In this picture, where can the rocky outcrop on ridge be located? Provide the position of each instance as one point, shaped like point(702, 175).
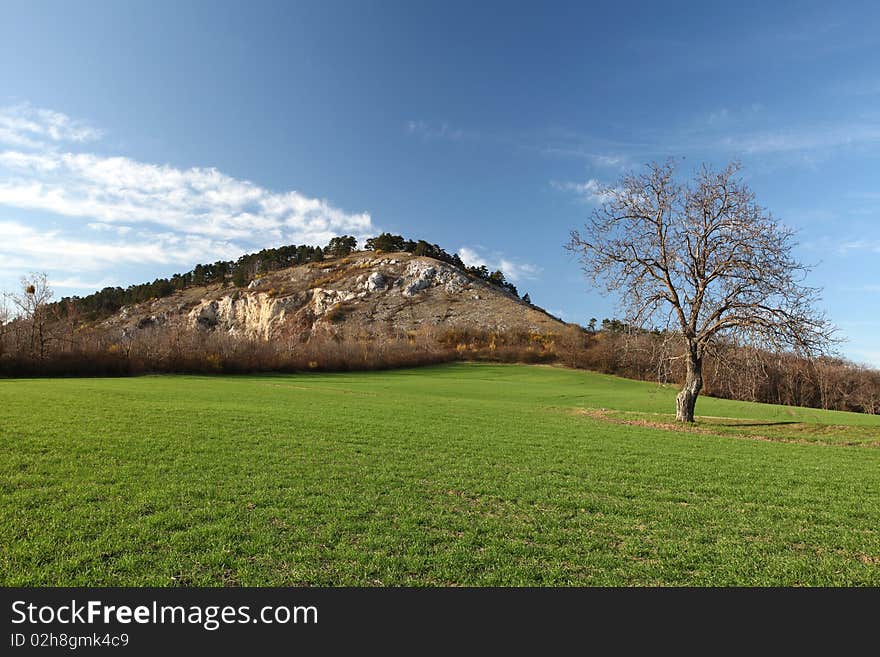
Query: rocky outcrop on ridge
point(364, 294)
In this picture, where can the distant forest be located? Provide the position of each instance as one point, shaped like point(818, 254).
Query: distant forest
point(240, 272)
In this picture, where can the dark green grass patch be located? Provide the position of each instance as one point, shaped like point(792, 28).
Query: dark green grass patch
point(462, 474)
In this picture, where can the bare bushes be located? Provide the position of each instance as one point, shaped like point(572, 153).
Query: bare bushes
point(730, 371)
point(499, 346)
point(190, 350)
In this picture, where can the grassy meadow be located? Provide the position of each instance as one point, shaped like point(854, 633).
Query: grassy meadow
point(466, 474)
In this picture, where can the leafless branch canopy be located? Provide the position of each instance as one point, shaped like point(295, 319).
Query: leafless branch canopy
point(706, 251)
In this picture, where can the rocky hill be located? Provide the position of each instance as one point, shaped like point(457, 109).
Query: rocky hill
point(365, 295)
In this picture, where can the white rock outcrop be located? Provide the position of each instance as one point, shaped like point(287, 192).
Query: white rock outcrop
point(323, 300)
point(417, 277)
point(252, 315)
point(456, 283)
point(420, 275)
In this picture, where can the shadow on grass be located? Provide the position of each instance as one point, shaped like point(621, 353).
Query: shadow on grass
point(829, 435)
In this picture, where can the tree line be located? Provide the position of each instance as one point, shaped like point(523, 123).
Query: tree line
point(731, 369)
point(109, 300)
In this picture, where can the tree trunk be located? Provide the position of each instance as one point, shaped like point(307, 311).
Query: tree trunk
point(687, 397)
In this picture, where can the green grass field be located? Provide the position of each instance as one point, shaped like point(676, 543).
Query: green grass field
point(467, 474)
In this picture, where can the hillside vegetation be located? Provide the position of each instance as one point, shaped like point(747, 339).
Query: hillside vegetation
point(251, 266)
point(399, 303)
point(465, 474)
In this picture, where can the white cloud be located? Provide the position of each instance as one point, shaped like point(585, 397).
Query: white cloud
point(719, 116)
point(600, 160)
point(428, 130)
point(201, 201)
point(24, 248)
point(74, 283)
point(726, 118)
point(858, 245)
point(805, 139)
point(514, 271)
point(614, 161)
point(23, 125)
point(153, 213)
point(842, 245)
point(591, 190)
point(109, 228)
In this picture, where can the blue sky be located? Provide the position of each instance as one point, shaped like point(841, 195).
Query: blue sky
point(139, 139)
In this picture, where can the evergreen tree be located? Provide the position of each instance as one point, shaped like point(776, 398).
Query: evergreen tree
point(341, 246)
point(386, 242)
point(239, 276)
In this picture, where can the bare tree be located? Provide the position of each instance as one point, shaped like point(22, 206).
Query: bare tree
point(705, 259)
point(867, 392)
point(33, 310)
point(5, 320)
